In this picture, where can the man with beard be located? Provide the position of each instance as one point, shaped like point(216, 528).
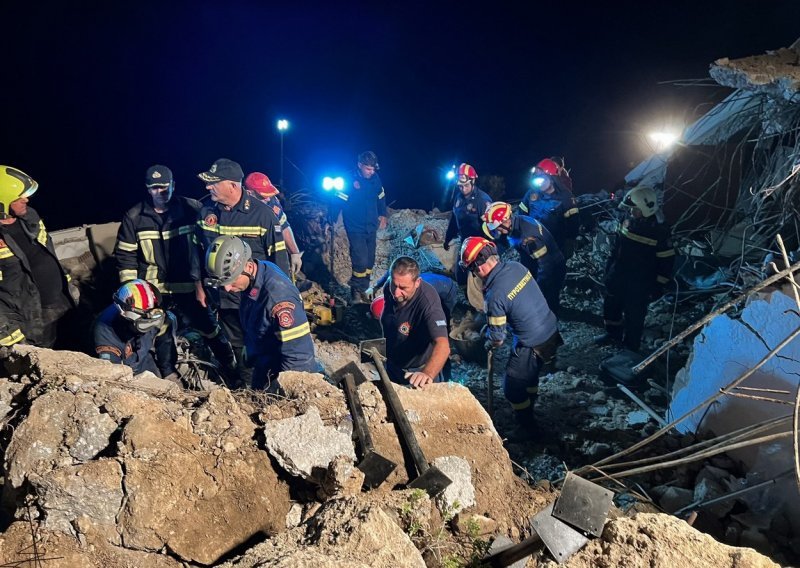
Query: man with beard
point(414, 325)
point(155, 242)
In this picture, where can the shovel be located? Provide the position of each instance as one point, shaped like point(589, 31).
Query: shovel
point(490, 381)
point(582, 504)
point(376, 468)
point(430, 478)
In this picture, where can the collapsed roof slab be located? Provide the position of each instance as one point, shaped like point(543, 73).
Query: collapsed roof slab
point(776, 73)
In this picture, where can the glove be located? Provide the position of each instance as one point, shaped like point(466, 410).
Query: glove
point(446, 245)
point(296, 261)
point(74, 292)
point(370, 293)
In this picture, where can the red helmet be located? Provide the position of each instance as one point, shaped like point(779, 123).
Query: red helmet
point(376, 307)
point(468, 171)
point(548, 166)
point(261, 184)
point(497, 212)
point(475, 250)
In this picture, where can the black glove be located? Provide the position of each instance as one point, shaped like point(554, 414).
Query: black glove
point(446, 245)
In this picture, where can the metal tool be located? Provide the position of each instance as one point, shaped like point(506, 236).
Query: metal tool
point(430, 478)
point(376, 467)
point(583, 504)
point(490, 381)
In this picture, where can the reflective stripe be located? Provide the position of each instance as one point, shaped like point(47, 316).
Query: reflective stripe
point(5, 252)
point(382, 194)
point(662, 279)
point(283, 219)
point(42, 236)
point(532, 390)
point(280, 245)
point(295, 332)
point(342, 196)
point(520, 285)
point(236, 231)
point(151, 273)
point(369, 271)
point(127, 274)
point(184, 230)
point(497, 320)
point(14, 337)
point(665, 253)
point(127, 247)
point(540, 253)
point(638, 238)
point(360, 274)
point(148, 252)
point(523, 207)
point(148, 235)
point(521, 405)
point(570, 212)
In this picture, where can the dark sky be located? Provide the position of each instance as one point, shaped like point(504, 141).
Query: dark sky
point(92, 96)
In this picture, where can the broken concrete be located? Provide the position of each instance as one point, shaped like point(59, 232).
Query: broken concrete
point(460, 494)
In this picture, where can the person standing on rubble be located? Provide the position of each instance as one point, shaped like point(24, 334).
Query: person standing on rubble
point(414, 325)
point(637, 271)
point(469, 205)
point(277, 335)
point(550, 202)
point(35, 292)
point(261, 186)
point(235, 212)
point(363, 207)
point(126, 331)
point(156, 243)
point(538, 251)
point(513, 299)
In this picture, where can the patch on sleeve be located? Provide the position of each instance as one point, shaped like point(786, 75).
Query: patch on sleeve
point(108, 350)
point(210, 220)
point(441, 323)
point(283, 312)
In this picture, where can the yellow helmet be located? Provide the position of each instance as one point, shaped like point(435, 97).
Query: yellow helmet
point(643, 198)
point(13, 185)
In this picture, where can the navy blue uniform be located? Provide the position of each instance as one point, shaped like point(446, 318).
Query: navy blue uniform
point(640, 264)
point(513, 299)
point(557, 211)
point(115, 340)
point(445, 287)
point(466, 221)
point(410, 330)
point(539, 253)
point(362, 201)
point(276, 332)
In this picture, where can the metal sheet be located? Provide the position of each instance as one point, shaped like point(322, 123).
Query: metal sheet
point(583, 504)
point(560, 539)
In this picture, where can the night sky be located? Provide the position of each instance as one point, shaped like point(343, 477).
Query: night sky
point(92, 97)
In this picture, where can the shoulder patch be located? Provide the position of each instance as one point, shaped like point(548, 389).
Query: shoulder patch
point(210, 220)
point(108, 350)
point(253, 293)
point(276, 210)
point(404, 328)
point(357, 184)
point(283, 312)
point(3, 244)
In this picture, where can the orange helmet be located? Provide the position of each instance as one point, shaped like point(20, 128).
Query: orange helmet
point(497, 212)
point(475, 251)
point(466, 173)
point(261, 184)
point(376, 307)
point(547, 166)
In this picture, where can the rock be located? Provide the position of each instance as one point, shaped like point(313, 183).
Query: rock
point(304, 446)
point(343, 479)
point(637, 417)
point(474, 525)
point(753, 538)
point(674, 498)
point(598, 449)
point(460, 494)
point(295, 516)
point(707, 489)
point(598, 397)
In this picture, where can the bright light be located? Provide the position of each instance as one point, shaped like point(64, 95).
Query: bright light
point(329, 183)
point(283, 124)
point(538, 181)
point(663, 140)
point(450, 174)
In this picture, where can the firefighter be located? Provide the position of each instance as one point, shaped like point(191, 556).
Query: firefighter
point(126, 331)
point(414, 325)
point(277, 336)
point(156, 242)
point(469, 205)
point(262, 187)
point(236, 212)
point(363, 207)
point(638, 269)
point(35, 292)
point(538, 251)
point(552, 203)
point(513, 299)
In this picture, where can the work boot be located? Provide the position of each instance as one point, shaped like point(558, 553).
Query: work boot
point(526, 429)
point(607, 338)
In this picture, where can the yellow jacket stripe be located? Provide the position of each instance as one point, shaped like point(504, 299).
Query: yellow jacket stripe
point(540, 253)
point(523, 207)
point(128, 274)
point(14, 337)
point(5, 252)
point(497, 320)
point(571, 212)
point(382, 194)
point(665, 253)
point(234, 230)
point(42, 236)
point(127, 247)
point(638, 238)
point(295, 332)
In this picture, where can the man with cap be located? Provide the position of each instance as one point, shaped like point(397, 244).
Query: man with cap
point(261, 186)
point(363, 206)
point(35, 292)
point(127, 330)
point(156, 242)
point(277, 336)
point(235, 212)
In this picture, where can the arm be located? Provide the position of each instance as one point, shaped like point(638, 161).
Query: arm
point(437, 329)
point(496, 328)
point(523, 205)
point(452, 231)
point(665, 258)
point(273, 243)
point(126, 250)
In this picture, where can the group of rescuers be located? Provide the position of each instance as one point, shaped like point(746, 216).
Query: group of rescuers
point(227, 268)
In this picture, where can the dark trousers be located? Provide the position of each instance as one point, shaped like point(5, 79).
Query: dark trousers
point(623, 314)
point(50, 318)
point(362, 256)
point(521, 381)
point(551, 284)
point(233, 329)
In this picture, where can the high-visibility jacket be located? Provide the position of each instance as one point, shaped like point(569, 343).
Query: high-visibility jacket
point(361, 201)
point(159, 248)
point(276, 331)
point(513, 299)
point(642, 256)
point(20, 302)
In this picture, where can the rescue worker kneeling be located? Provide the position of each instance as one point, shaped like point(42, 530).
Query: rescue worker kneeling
point(125, 332)
point(277, 336)
point(512, 298)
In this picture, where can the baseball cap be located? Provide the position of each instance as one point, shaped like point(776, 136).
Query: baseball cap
point(260, 183)
point(222, 169)
point(158, 176)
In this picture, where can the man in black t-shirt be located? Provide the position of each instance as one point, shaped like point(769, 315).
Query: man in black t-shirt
point(414, 326)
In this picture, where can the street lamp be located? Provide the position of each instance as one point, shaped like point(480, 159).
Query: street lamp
point(283, 125)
